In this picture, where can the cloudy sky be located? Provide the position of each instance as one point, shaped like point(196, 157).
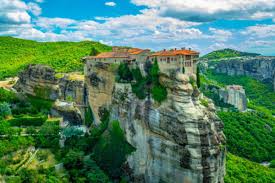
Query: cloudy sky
point(204, 25)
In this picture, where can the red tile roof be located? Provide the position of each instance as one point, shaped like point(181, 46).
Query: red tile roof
point(119, 54)
point(175, 52)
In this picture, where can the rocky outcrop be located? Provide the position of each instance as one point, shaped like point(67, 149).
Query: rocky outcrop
point(39, 81)
point(177, 141)
point(260, 68)
point(71, 114)
point(234, 95)
point(42, 81)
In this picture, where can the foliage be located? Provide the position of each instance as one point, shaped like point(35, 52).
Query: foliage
point(239, 170)
point(227, 53)
point(259, 94)
point(249, 135)
point(124, 73)
point(83, 169)
point(16, 54)
point(111, 150)
point(159, 93)
point(7, 96)
point(48, 135)
point(198, 77)
point(5, 110)
point(26, 120)
point(204, 102)
point(272, 164)
point(94, 52)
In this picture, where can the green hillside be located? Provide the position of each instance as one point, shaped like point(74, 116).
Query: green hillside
point(239, 170)
point(62, 56)
point(227, 53)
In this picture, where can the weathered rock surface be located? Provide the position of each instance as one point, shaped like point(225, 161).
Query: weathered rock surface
point(178, 141)
point(260, 68)
point(41, 81)
point(234, 95)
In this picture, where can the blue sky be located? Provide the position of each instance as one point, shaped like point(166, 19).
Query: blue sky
point(156, 24)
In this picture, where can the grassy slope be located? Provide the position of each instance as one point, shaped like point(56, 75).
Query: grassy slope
point(62, 56)
point(240, 170)
point(227, 53)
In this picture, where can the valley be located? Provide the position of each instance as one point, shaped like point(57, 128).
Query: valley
point(161, 125)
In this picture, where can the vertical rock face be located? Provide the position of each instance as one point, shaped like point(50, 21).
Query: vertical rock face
point(177, 141)
point(100, 81)
point(234, 95)
point(38, 80)
point(261, 68)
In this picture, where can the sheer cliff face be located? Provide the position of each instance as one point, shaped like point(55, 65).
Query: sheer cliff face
point(261, 68)
point(177, 141)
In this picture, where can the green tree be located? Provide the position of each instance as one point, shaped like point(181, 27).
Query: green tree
point(4, 110)
point(154, 72)
point(94, 52)
point(198, 77)
point(124, 72)
point(111, 151)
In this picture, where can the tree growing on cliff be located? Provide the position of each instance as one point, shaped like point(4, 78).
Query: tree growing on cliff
point(124, 73)
point(94, 52)
point(198, 77)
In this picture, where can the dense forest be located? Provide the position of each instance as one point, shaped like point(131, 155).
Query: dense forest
point(62, 56)
point(227, 53)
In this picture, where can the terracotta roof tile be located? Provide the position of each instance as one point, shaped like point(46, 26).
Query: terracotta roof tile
point(175, 52)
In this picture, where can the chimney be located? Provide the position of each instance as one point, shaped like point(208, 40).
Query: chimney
point(183, 48)
point(164, 49)
point(175, 49)
point(189, 49)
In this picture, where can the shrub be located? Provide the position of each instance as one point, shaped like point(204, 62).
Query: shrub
point(27, 120)
point(204, 102)
point(111, 151)
point(159, 93)
point(272, 164)
point(124, 73)
point(4, 110)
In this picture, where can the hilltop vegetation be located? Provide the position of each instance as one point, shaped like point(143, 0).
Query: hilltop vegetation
point(62, 56)
point(240, 170)
point(227, 53)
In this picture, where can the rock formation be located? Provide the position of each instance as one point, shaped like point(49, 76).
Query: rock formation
point(179, 140)
point(41, 81)
point(234, 95)
point(260, 68)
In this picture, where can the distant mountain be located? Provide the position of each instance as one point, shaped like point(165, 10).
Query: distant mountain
point(62, 56)
point(227, 53)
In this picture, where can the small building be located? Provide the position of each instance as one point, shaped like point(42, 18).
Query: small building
point(177, 60)
point(118, 55)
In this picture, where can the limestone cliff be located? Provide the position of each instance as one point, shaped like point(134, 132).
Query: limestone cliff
point(42, 81)
point(177, 141)
point(260, 68)
point(234, 95)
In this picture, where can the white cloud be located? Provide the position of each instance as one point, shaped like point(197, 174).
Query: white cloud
point(261, 31)
point(13, 12)
point(39, 1)
point(210, 10)
point(50, 23)
point(110, 4)
point(34, 8)
point(220, 35)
